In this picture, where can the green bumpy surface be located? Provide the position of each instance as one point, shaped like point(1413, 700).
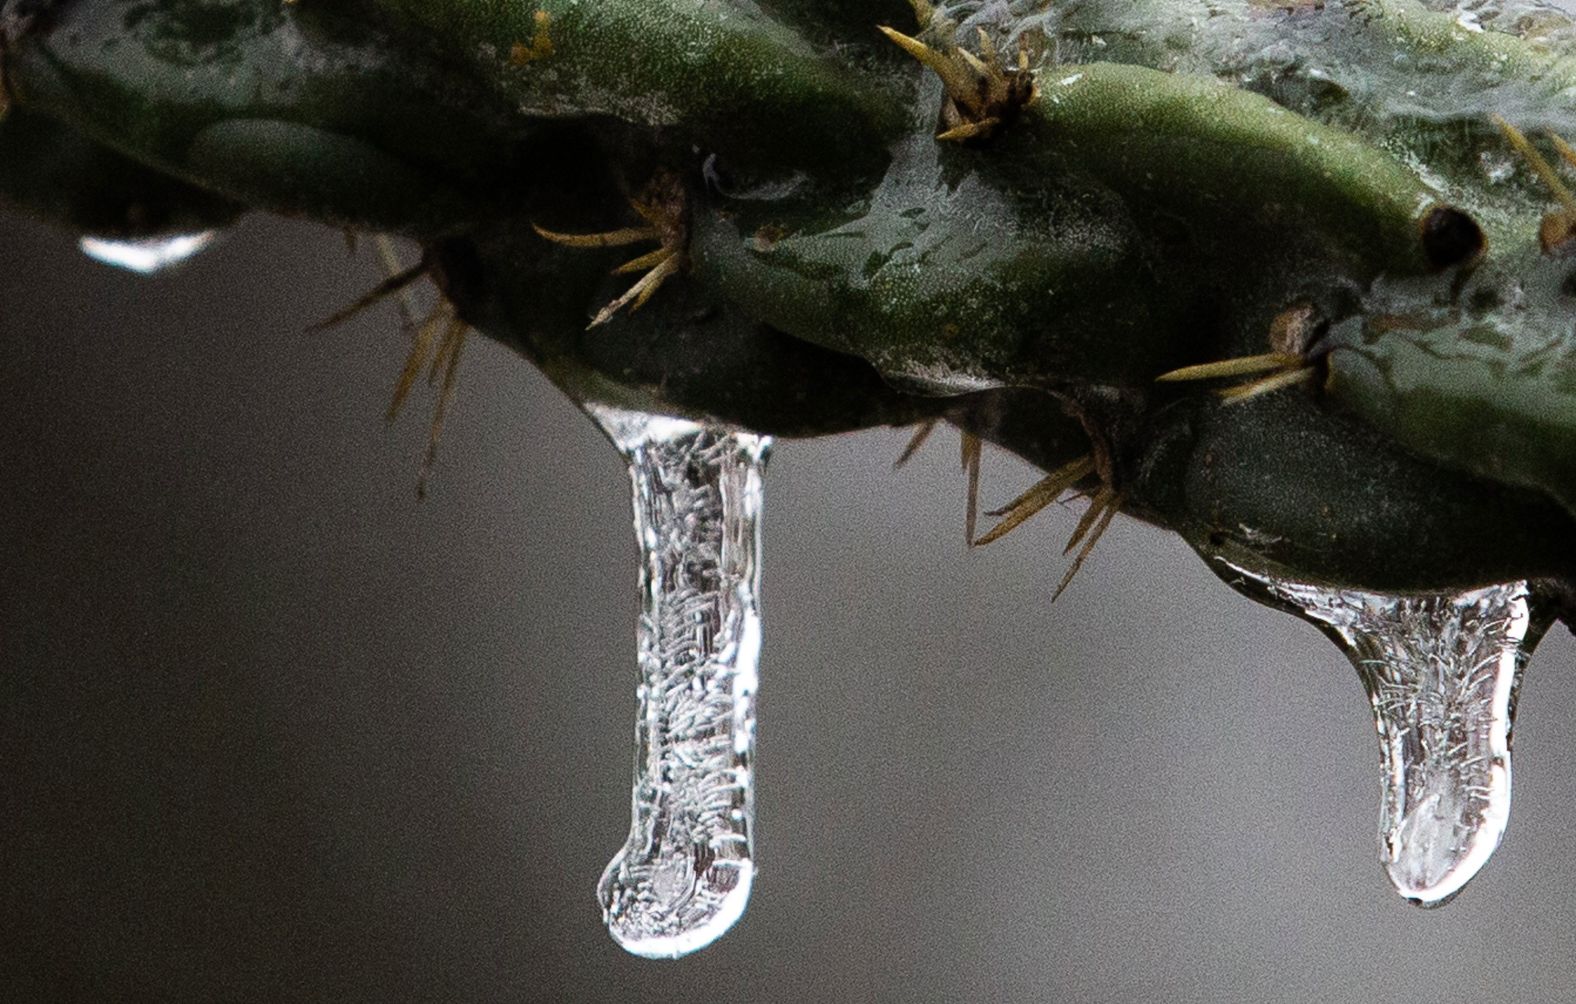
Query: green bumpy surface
point(1185, 177)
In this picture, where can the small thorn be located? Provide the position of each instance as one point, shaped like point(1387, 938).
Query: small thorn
point(969, 130)
point(958, 86)
point(662, 208)
point(654, 279)
point(1041, 494)
point(971, 448)
point(988, 48)
point(420, 349)
point(609, 239)
point(388, 287)
point(440, 358)
point(388, 254)
point(1267, 385)
point(919, 50)
point(455, 335)
point(1087, 520)
point(637, 295)
point(1544, 169)
point(645, 261)
point(1240, 366)
point(974, 62)
point(1108, 502)
point(1557, 232)
point(921, 434)
point(1566, 151)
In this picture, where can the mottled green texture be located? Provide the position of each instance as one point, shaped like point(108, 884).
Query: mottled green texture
point(1490, 388)
point(58, 175)
point(1232, 160)
point(1277, 484)
point(723, 73)
point(1188, 176)
point(292, 112)
point(689, 352)
point(947, 283)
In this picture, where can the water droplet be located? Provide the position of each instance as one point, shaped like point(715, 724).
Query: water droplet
point(149, 255)
point(1442, 673)
point(683, 877)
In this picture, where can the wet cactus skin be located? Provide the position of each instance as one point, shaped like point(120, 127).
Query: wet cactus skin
point(1178, 184)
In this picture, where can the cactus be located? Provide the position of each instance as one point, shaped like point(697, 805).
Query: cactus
point(1290, 279)
point(1119, 191)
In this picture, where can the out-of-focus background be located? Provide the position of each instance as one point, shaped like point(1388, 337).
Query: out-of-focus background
point(271, 729)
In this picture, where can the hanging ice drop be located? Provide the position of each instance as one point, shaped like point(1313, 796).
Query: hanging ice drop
point(684, 875)
point(1442, 673)
point(146, 256)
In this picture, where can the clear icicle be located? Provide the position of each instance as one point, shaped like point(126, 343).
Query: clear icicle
point(1442, 673)
point(683, 877)
point(147, 256)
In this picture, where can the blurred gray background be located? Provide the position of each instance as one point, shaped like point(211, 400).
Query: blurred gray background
point(270, 729)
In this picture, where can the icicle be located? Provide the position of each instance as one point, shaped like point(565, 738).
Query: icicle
point(684, 875)
point(1442, 673)
point(145, 257)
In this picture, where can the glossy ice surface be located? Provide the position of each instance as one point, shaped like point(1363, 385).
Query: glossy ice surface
point(1442, 673)
point(684, 875)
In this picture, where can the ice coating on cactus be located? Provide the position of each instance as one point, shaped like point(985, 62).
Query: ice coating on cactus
point(683, 877)
point(1442, 674)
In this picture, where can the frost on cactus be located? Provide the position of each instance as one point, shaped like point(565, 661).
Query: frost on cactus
point(1295, 280)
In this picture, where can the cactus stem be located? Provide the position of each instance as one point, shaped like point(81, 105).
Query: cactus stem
point(1045, 491)
point(921, 435)
point(1558, 230)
